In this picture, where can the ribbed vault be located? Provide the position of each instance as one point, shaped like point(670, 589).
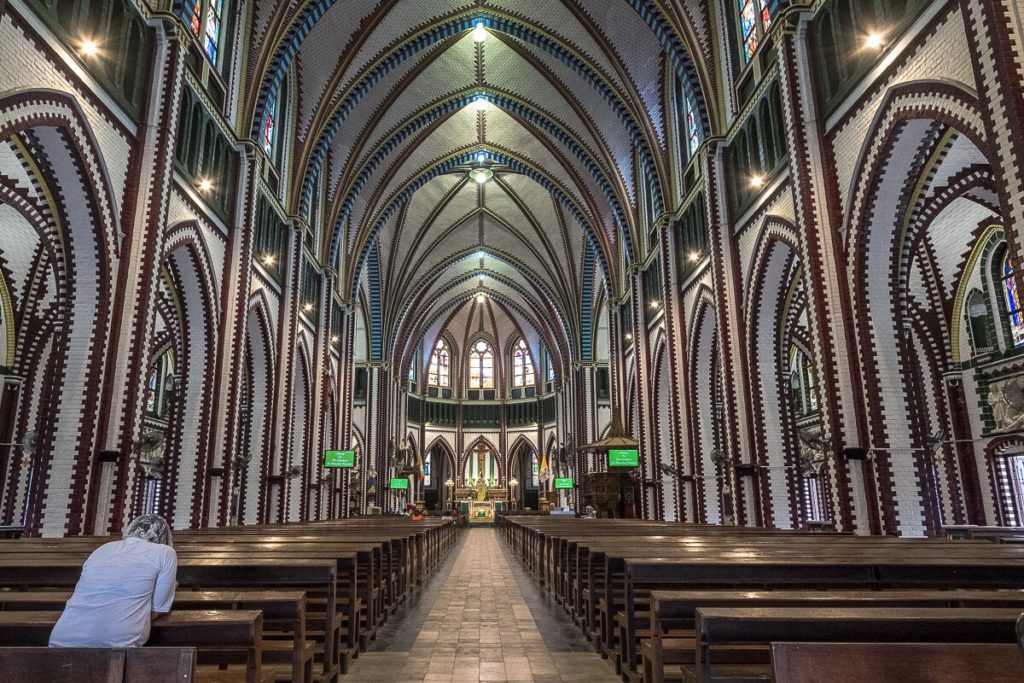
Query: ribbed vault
point(395, 101)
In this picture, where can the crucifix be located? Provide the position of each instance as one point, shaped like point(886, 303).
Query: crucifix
point(481, 484)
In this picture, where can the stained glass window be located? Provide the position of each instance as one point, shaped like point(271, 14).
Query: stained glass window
point(151, 392)
point(691, 130)
point(412, 372)
point(268, 128)
point(522, 366)
point(551, 369)
point(438, 374)
point(755, 20)
point(1013, 305)
point(191, 11)
point(426, 468)
point(481, 366)
point(213, 24)
point(534, 470)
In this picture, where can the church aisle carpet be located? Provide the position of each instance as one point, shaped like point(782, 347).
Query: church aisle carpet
point(480, 619)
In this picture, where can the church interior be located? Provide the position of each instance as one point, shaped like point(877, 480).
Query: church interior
point(516, 340)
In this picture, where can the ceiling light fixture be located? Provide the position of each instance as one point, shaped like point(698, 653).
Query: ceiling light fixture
point(480, 103)
point(757, 181)
point(874, 41)
point(481, 175)
point(89, 48)
point(481, 298)
point(480, 32)
point(481, 157)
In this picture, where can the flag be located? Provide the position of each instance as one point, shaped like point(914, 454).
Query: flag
point(419, 464)
point(544, 474)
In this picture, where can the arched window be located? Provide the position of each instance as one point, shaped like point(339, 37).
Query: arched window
point(481, 366)
point(427, 463)
point(214, 21)
point(534, 470)
point(440, 363)
point(691, 132)
point(1013, 305)
point(160, 386)
point(755, 20)
point(269, 124)
point(522, 366)
point(551, 369)
point(803, 383)
point(205, 20)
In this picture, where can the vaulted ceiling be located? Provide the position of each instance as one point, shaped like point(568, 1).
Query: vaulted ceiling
point(395, 101)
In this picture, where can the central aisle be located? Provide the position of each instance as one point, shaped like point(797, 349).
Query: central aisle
point(481, 618)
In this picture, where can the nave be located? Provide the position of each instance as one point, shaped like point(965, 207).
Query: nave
point(481, 619)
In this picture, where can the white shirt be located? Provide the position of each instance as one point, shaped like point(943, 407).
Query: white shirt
point(122, 582)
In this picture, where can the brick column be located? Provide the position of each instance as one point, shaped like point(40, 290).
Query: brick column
point(678, 355)
point(818, 219)
point(725, 271)
point(143, 219)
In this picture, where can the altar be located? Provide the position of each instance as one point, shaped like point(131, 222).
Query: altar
point(481, 512)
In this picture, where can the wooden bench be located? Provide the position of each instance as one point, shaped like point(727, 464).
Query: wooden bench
point(284, 613)
point(895, 663)
point(212, 633)
point(673, 614)
point(762, 626)
point(98, 665)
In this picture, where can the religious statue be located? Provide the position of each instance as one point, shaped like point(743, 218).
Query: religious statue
point(481, 490)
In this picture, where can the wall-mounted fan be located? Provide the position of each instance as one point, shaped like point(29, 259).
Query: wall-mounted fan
point(27, 446)
point(149, 451)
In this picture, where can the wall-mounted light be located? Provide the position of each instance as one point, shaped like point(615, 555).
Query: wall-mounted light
point(205, 185)
point(757, 181)
point(268, 260)
point(655, 303)
point(307, 307)
point(629, 336)
point(694, 256)
point(479, 32)
point(335, 339)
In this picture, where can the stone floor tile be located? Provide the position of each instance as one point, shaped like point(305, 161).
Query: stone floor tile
point(481, 618)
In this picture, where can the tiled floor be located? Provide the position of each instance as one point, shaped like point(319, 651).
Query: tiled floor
point(480, 618)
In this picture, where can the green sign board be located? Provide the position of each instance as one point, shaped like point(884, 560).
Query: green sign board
point(342, 460)
point(623, 457)
point(401, 483)
point(563, 483)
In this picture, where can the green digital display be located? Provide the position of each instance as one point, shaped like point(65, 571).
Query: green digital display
point(623, 457)
point(339, 460)
point(563, 483)
point(401, 483)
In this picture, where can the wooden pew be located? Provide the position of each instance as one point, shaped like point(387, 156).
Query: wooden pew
point(762, 626)
point(895, 662)
point(674, 612)
point(315, 578)
point(89, 665)
point(216, 632)
point(283, 613)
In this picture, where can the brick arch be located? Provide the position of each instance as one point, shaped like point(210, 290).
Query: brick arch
point(300, 434)
point(773, 278)
point(905, 141)
point(441, 445)
point(260, 353)
point(995, 450)
point(194, 309)
point(499, 457)
point(54, 133)
point(705, 436)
